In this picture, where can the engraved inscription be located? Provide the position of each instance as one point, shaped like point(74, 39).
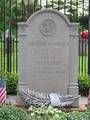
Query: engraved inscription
point(48, 27)
point(50, 60)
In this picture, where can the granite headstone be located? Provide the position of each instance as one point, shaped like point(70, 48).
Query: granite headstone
point(48, 53)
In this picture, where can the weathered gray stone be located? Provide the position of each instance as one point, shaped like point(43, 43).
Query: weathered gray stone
point(48, 52)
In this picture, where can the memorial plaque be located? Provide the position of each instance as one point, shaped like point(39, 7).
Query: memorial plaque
point(46, 53)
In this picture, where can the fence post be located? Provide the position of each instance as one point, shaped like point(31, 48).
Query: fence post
point(9, 48)
point(89, 41)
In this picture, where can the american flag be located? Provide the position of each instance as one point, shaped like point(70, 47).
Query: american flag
point(2, 90)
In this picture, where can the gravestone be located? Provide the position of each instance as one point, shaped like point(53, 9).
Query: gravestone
point(48, 52)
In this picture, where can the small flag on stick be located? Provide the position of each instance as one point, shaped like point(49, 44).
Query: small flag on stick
point(2, 90)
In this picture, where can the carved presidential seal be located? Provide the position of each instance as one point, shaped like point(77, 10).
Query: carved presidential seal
point(48, 27)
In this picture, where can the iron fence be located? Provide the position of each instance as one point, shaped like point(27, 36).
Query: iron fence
point(13, 11)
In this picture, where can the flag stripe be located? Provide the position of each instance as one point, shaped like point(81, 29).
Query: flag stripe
point(3, 100)
point(3, 96)
point(2, 90)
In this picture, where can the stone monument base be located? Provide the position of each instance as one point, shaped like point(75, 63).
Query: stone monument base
point(27, 97)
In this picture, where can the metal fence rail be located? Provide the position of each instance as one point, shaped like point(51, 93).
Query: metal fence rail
point(13, 11)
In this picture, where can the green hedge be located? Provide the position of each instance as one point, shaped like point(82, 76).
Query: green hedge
point(55, 114)
point(11, 82)
point(84, 84)
point(13, 113)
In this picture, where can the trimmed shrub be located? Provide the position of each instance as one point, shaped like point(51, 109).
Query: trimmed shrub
point(11, 82)
point(84, 84)
point(55, 114)
point(12, 113)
